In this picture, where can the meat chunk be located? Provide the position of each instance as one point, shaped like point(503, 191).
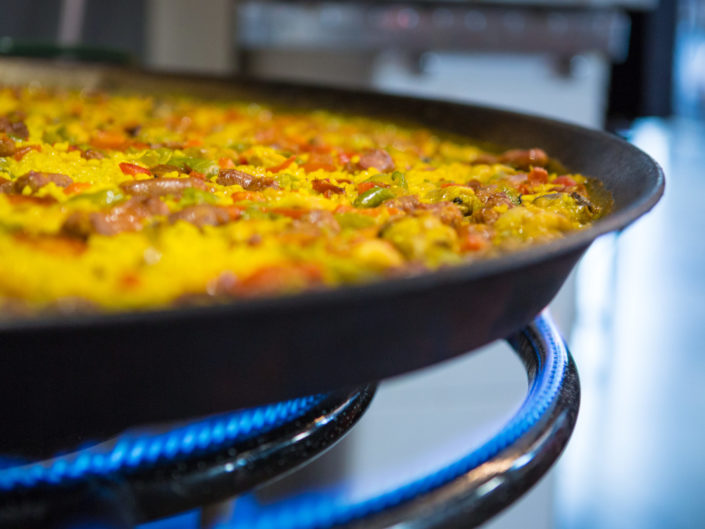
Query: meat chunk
point(133, 130)
point(312, 224)
point(162, 186)
point(162, 169)
point(6, 185)
point(519, 158)
point(488, 213)
point(83, 224)
point(323, 219)
point(407, 204)
point(141, 207)
point(448, 212)
point(326, 188)
point(36, 180)
point(377, 158)
point(202, 215)
point(128, 216)
point(92, 154)
point(231, 177)
point(14, 127)
point(524, 159)
point(7, 147)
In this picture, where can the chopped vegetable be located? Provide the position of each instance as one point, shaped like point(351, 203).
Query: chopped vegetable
point(373, 197)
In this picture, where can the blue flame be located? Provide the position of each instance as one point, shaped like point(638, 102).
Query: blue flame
point(131, 450)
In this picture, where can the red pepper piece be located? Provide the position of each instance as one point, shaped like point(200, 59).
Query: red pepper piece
point(133, 169)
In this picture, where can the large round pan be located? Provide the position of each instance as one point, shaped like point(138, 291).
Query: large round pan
point(70, 379)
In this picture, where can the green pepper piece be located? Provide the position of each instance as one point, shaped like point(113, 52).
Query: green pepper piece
point(206, 167)
point(192, 197)
point(354, 221)
point(373, 197)
point(106, 197)
point(200, 165)
point(399, 179)
point(154, 157)
point(254, 212)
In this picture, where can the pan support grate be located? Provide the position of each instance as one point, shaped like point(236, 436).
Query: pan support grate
point(150, 474)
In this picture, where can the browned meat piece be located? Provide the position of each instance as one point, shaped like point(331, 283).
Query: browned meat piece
point(141, 206)
point(519, 178)
point(161, 186)
point(486, 158)
point(378, 158)
point(524, 159)
point(326, 188)
point(447, 212)
point(91, 154)
point(202, 215)
point(519, 158)
point(128, 216)
point(407, 204)
point(133, 130)
point(483, 192)
point(6, 186)
point(20, 130)
point(7, 147)
point(474, 184)
point(162, 169)
point(322, 219)
point(83, 224)
point(313, 224)
point(487, 213)
point(231, 177)
point(14, 127)
point(36, 180)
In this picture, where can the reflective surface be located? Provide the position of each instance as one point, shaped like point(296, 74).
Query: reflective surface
point(636, 459)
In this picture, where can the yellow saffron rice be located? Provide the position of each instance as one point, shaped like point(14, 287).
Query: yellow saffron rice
point(120, 202)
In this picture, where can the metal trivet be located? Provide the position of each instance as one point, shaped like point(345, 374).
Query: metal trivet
point(133, 480)
point(471, 490)
point(143, 475)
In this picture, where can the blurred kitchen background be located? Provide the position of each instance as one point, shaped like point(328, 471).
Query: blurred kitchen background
point(632, 312)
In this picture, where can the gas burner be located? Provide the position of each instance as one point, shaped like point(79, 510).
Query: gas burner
point(151, 473)
point(145, 475)
point(476, 486)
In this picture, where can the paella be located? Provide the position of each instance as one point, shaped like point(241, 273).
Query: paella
point(124, 202)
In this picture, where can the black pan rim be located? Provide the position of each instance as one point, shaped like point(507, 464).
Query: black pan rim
point(379, 288)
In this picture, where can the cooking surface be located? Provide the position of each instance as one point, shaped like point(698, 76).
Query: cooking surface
point(323, 340)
